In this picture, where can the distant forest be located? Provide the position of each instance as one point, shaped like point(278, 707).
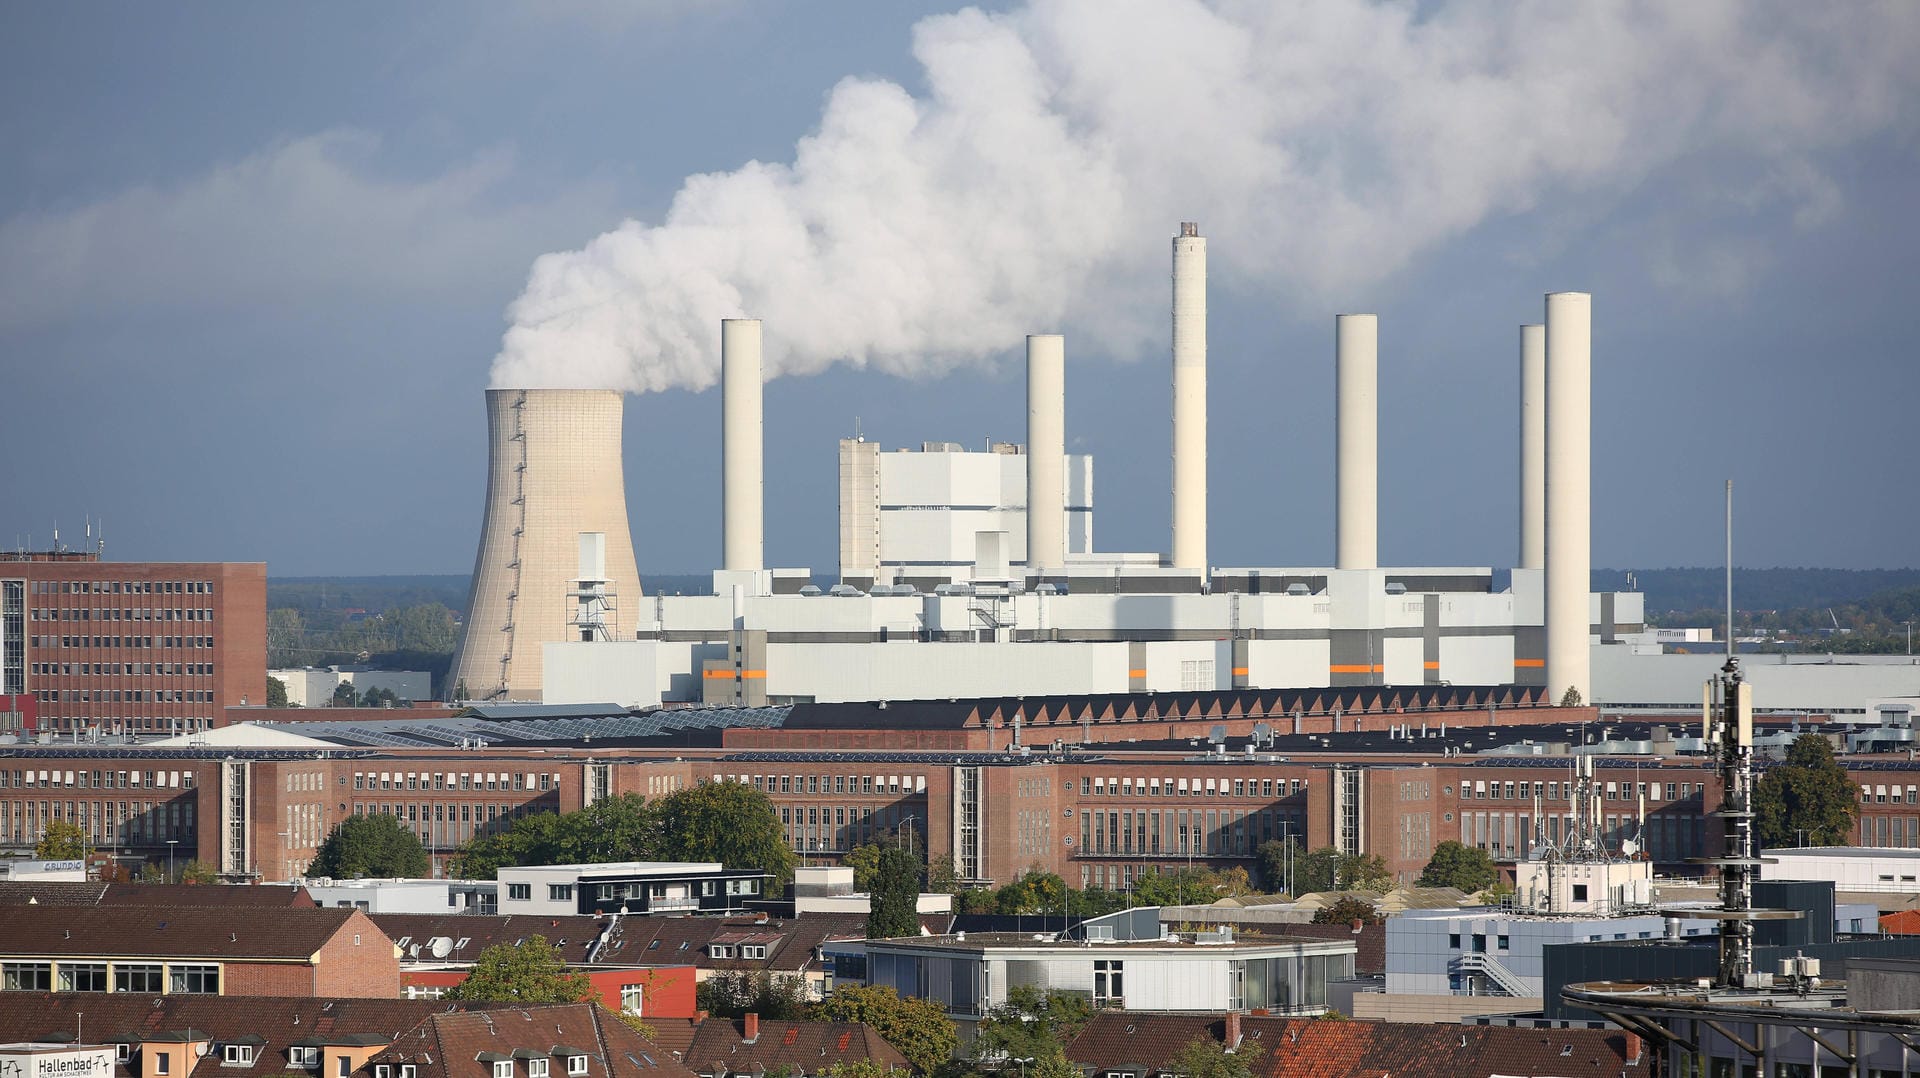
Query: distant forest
point(1684, 590)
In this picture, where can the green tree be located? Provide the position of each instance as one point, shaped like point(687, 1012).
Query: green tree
point(919, 1028)
point(1178, 887)
point(379, 697)
point(942, 877)
point(855, 1068)
point(1273, 856)
point(343, 695)
point(895, 896)
point(1364, 872)
point(1346, 910)
point(1316, 871)
point(1810, 792)
point(1204, 1057)
point(1032, 892)
point(531, 972)
point(152, 873)
point(1031, 1024)
point(276, 692)
point(622, 828)
point(728, 822)
point(864, 860)
point(1456, 865)
point(977, 900)
point(375, 845)
point(1570, 698)
point(731, 994)
point(1052, 1064)
point(197, 871)
point(63, 840)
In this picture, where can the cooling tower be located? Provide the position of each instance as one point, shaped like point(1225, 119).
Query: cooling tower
point(1046, 452)
point(1569, 523)
point(1356, 466)
point(553, 471)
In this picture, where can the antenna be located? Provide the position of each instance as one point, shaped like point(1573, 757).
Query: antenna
point(1729, 570)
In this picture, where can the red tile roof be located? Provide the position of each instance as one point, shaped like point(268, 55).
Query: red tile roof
point(173, 931)
point(65, 893)
point(451, 1045)
point(720, 1047)
point(1146, 1043)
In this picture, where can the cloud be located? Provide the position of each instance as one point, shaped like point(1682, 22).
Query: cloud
point(1326, 146)
point(307, 218)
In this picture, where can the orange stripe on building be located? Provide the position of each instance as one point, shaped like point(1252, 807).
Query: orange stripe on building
point(1239, 671)
point(732, 675)
point(1530, 662)
point(1136, 673)
point(1362, 668)
point(1433, 665)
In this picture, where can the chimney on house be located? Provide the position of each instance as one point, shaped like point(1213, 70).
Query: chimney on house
point(1633, 1048)
point(750, 1025)
point(1233, 1030)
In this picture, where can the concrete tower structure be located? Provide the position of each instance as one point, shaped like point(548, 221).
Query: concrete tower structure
point(1569, 480)
point(1357, 442)
point(742, 497)
point(553, 472)
point(1533, 447)
point(1190, 399)
point(1046, 452)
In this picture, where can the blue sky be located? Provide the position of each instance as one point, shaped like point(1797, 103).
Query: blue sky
point(256, 261)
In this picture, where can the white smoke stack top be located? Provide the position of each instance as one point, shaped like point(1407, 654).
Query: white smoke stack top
point(1046, 452)
point(553, 473)
point(1569, 549)
point(1533, 447)
point(1189, 399)
point(743, 544)
point(1357, 441)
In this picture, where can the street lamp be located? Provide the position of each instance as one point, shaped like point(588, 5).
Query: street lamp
point(1023, 1061)
point(907, 826)
point(171, 843)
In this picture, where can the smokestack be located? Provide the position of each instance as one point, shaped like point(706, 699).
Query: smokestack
point(1533, 447)
point(1357, 442)
point(1190, 399)
point(553, 472)
point(741, 385)
point(1569, 550)
point(1046, 452)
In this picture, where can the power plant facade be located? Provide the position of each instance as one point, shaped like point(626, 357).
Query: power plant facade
point(556, 553)
point(958, 584)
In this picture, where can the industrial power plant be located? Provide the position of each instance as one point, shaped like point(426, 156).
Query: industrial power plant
point(968, 573)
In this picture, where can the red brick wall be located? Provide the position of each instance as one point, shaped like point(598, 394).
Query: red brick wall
point(268, 979)
point(358, 961)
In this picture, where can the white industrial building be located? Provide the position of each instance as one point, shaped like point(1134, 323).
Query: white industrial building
point(1849, 868)
point(313, 686)
point(917, 516)
point(966, 574)
point(970, 973)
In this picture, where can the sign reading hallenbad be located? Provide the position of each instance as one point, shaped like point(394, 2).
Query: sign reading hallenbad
point(51, 1061)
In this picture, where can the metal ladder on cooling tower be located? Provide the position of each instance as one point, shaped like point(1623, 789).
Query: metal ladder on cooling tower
point(519, 529)
point(1499, 975)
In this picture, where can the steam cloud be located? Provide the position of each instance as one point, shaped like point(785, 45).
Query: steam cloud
point(1032, 186)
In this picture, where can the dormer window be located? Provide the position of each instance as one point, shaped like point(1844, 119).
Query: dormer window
point(753, 951)
point(382, 1070)
point(301, 1055)
point(122, 1052)
point(237, 1055)
point(503, 1069)
point(719, 950)
point(408, 1070)
point(537, 1068)
point(576, 1065)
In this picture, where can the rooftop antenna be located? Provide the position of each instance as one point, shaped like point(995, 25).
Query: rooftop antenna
point(1729, 571)
point(857, 436)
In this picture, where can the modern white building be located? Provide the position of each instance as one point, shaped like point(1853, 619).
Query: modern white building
point(628, 887)
point(829, 889)
point(970, 973)
point(1849, 868)
point(405, 895)
point(916, 516)
point(314, 686)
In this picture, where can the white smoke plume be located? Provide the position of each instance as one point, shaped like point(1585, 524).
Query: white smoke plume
point(1033, 185)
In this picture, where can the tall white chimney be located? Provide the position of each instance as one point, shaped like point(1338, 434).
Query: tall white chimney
point(1533, 447)
point(1569, 563)
point(1046, 452)
point(1190, 399)
point(1357, 442)
point(742, 487)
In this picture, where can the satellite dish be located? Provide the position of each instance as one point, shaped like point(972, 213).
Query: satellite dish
point(441, 946)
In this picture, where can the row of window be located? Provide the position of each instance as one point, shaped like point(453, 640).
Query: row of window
point(1152, 787)
point(99, 780)
point(1612, 791)
point(124, 613)
point(123, 587)
point(872, 785)
point(123, 669)
point(1886, 795)
point(106, 823)
point(439, 780)
point(1227, 832)
point(144, 977)
point(124, 696)
point(839, 828)
point(140, 642)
